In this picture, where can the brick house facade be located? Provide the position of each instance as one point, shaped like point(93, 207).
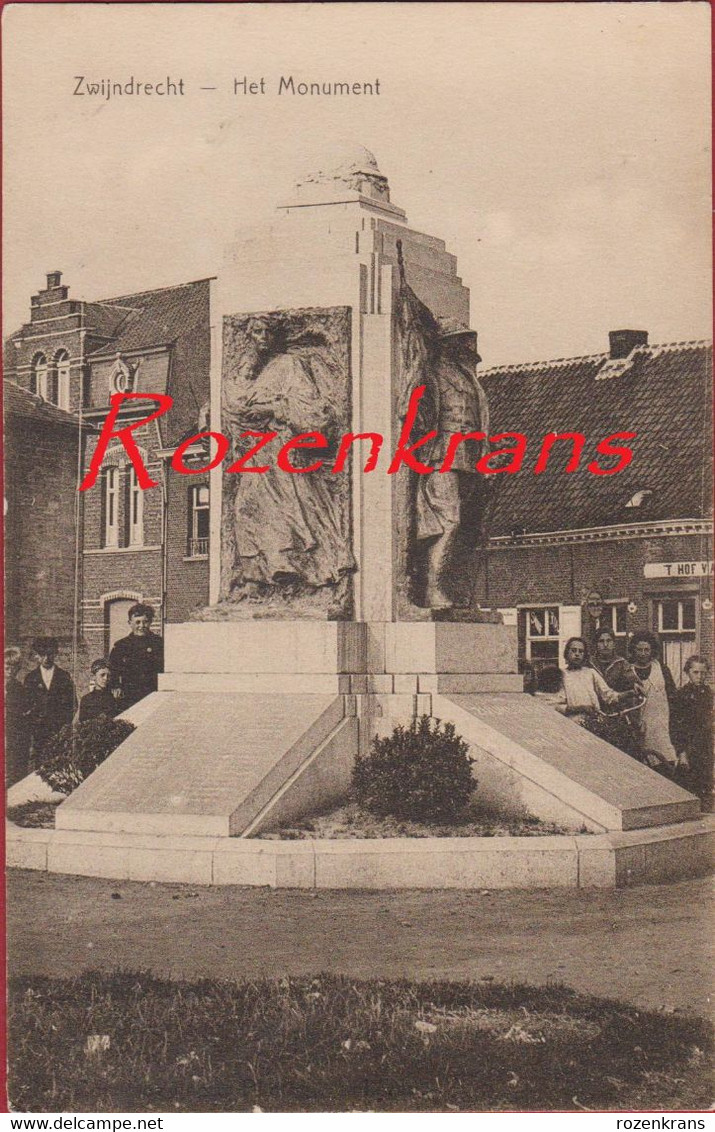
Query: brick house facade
point(135, 545)
point(41, 549)
point(568, 552)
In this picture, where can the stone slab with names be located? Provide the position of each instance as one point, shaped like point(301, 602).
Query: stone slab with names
point(204, 764)
point(586, 774)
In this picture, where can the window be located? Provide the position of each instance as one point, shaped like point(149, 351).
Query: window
point(122, 378)
point(674, 619)
point(640, 498)
point(122, 508)
point(676, 615)
point(60, 379)
point(38, 375)
point(110, 507)
point(134, 510)
point(86, 387)
point(198, 534)
point(52, 389)
point(615, 618)
point(543, 632)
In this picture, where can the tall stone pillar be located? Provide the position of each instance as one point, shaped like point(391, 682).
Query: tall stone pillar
point(339, 244)
point(334, 243)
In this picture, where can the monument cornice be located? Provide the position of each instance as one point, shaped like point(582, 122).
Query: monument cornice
point(384, 207)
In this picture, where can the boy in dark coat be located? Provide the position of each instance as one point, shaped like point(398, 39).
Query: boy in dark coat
point(693, 709)
point(99, 703)
point(137, 660)
point(51, 697)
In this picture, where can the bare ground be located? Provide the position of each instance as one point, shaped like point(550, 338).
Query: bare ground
point(652, 946)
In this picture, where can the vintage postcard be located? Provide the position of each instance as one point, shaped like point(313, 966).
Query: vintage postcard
point(358, 558)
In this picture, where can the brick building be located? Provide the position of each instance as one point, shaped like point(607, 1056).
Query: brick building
point(135, 545)
point(42, 457)
point(569, 551)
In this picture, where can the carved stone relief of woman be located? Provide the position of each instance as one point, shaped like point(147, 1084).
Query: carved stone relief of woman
point(288, 528)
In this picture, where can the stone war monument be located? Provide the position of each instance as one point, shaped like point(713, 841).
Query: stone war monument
point(340, 599)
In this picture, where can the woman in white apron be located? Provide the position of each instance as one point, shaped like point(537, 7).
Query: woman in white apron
point(659, 689)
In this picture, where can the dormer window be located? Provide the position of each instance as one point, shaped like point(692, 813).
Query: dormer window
point(640, 498)
point(122, 379)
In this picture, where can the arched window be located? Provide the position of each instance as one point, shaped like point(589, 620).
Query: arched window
point(59, 392)
point(38, 375)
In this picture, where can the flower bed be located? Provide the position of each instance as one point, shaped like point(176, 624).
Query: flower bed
point(33, 815)
point(353, 821)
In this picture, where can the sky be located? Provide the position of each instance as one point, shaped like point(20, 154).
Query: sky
point(561, 150)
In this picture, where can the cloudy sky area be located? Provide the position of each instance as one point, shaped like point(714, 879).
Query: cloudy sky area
point(561, 150)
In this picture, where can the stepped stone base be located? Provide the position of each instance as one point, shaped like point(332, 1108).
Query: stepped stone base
point(329, 648)
point(259, 723)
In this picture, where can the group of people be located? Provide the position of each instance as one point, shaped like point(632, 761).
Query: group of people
point(634, 704)
point(38, 708)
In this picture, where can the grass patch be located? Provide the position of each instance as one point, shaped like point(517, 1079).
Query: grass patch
point(353, 821)
point(130, 1043)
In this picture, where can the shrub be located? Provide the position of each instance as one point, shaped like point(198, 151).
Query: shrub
point(75, 752)
point(419, 773)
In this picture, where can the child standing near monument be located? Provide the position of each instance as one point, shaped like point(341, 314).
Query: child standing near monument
point(137, 659)
point(693, 710)
point(50, 695)
point(99, 703)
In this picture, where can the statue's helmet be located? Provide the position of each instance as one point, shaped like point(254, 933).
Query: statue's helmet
point(453, 328)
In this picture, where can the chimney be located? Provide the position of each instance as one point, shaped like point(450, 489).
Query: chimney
point(623, 341)
point(54, 279)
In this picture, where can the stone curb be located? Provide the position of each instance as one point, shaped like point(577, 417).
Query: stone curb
point(650, 856)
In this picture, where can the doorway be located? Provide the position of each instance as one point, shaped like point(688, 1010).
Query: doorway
point(116, 621)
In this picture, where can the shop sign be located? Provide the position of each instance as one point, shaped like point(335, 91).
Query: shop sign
point(678, 569)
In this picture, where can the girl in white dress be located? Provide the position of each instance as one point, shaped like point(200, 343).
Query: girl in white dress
point(659, 689)
point(584, 692)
